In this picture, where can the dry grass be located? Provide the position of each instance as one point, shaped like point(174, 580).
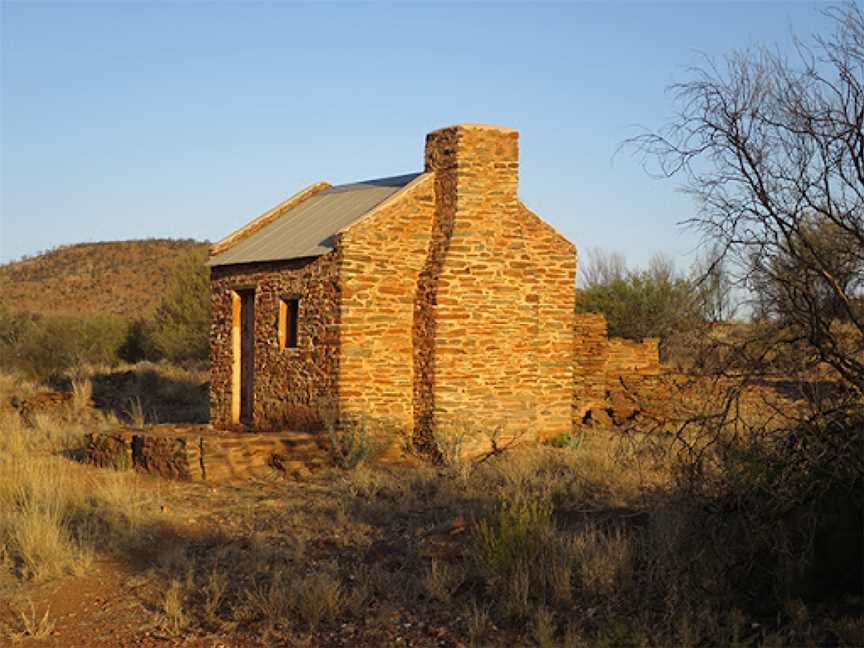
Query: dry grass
point(82, 394)
point(544, 628)
point(35, 626)
point(479, 624)
point(135, 413)
point(316, 597)
point(214, 593)
point(441, 581)
point(584, 546)
point(173, 607)
point(35, 495)
point(520, 564)
point(55, 513)
point(603, 559)
point(278, 600)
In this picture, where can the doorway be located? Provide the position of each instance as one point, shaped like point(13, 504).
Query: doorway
point(247, 355)
point(243, 351)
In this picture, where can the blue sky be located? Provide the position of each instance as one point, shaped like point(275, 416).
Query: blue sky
point(126, 120)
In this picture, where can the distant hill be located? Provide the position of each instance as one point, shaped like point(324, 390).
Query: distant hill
point(126, 278)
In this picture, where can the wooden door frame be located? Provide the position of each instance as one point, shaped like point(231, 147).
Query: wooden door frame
point(239, 329)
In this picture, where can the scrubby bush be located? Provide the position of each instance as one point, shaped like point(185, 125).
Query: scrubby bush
point(351, 443)
point(656, 302)
point(137, 346)
point(52, 345)
point(513, 535)
point(179, 330)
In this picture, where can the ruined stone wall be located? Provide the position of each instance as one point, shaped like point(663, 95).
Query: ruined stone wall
point(609, 372)
point(590, 351)
point(290, 382)
point(630, 372)
point(382, 257)
point(630, 360)
point(493, 340)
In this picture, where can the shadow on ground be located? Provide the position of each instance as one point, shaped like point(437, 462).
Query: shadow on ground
point(147, 393)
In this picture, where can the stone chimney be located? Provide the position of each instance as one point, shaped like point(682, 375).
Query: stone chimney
point(479, 158)
point(475, 300)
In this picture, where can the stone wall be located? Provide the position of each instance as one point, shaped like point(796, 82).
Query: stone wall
point(630, 370)
point(609, 371)
point(451, 304)
point(290, 382)
point(199, 452)
point(590, 351)
point(382, 257)
point(108, 450)
point(629, 360)
point(494, 317)
point(553, 265)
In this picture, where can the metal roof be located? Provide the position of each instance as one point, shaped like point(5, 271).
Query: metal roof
point(309, 229)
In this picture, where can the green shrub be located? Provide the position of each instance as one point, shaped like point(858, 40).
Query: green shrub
point(351, 444)
point(180, 328)
point(137, 346)
point(657, 302)
point(50, 346)
point(512, 535)
point(567, 440)
point(13, 329)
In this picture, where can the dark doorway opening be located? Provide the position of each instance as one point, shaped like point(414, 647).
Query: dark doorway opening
point(247, 355)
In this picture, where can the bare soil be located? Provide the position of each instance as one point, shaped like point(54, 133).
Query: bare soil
point(118, 600)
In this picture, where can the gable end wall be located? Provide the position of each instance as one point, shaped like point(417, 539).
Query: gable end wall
point(497, 300)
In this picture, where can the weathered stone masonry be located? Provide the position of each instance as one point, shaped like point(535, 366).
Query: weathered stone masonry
point(289, 383)
point(449, 304)
point(607, 371)
point(493, 334)
point(383, 255)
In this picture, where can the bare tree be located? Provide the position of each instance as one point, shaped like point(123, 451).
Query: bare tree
point(786, 288)
point(772, 148)
point(601, 267)
point(714, 285)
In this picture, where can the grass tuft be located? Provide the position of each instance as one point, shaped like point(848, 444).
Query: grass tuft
point(35, 626)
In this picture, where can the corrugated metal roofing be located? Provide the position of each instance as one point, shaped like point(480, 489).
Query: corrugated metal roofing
point(309, 229)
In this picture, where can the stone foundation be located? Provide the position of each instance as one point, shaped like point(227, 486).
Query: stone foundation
point(197, 453)
point(108, 449)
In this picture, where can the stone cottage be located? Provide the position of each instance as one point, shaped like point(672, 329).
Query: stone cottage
point(427, 299)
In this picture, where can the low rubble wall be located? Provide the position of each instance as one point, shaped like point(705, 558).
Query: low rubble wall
point(199, 453)
point(609, 371)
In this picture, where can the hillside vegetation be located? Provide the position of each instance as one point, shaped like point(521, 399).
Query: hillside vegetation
point(162, 313)
point(124, 278)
